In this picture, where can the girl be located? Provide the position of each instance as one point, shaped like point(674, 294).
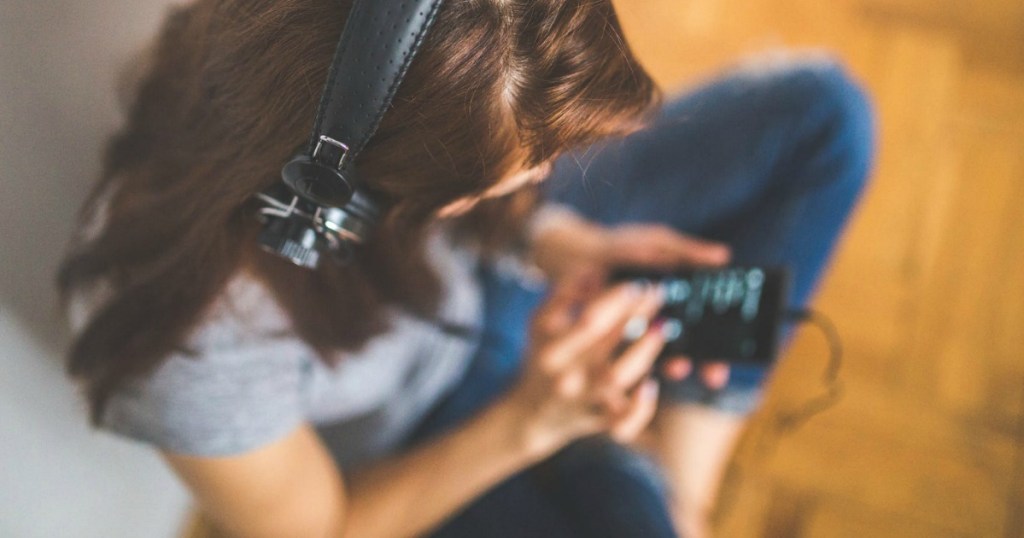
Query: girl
point(400, 395)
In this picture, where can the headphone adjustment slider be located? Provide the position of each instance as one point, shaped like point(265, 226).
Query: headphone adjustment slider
point(324, 139)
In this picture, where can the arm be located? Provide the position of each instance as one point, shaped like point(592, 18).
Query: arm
point(416, 491)
point(576, 382)
point(692, 442)
point(293, 488)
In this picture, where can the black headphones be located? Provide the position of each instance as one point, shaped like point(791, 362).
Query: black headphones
point(320, 207)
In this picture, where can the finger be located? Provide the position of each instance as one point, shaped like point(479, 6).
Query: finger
point(663, 247)
point(698, 251)
point(558, 311)
point(632, 326)
point(715, 374)
point(613, 403)
point(571, 383)
point(677, 368)
point(637, 360)
point(589, 421)
point(602, 315)
point(643, 405)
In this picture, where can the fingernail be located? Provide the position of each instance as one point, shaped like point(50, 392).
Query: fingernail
point(662, 325)
point(650, 390)
point(716, 378)
point(677, 370)
point(635, 328)
point(723, 253)
point(671, 329)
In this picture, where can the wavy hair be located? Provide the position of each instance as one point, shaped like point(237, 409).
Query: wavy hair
point(228, 93)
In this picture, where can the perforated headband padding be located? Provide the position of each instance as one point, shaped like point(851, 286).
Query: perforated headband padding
point(380, 40)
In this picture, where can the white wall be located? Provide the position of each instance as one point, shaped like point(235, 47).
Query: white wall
point(58, 65)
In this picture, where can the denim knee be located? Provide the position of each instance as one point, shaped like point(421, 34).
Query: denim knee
point(835, 118)
point(820, 130)
point(608, 490)
point(599, 454)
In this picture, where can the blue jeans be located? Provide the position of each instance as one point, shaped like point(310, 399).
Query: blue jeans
point(769, 161)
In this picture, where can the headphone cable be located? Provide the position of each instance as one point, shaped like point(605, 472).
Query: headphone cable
point(789, 421)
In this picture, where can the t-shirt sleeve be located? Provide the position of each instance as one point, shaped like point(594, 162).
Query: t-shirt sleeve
point(212, 404)
point(241, 390)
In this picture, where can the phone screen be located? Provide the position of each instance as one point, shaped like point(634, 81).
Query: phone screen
point(731, 314)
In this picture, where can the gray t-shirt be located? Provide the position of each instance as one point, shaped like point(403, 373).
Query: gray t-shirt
point(254, 381)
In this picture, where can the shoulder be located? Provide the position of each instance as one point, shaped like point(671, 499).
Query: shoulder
point(240, 385)
point(245, 311)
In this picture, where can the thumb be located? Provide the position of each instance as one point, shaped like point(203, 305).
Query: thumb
point(571, 290)
point(663, 247)
point(700, 251)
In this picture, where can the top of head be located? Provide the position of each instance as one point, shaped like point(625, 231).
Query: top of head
point(379, 42)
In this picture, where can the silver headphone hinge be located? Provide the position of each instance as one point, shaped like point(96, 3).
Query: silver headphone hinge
point(331, 142)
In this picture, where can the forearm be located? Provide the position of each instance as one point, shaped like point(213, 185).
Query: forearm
point(410, 494)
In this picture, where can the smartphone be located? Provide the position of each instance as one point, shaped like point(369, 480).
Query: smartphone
point(732, 314)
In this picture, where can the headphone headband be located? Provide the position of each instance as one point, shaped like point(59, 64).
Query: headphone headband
point(377, 46)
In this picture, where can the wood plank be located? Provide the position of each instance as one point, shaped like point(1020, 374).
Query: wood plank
point(965, 333)
point(845, 518)
point(913, 76)
point(1015, 498)
point(993, 100)
point(885, 456)
point(989, 32)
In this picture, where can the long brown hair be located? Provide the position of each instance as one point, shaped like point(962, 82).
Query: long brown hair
point(229, 94)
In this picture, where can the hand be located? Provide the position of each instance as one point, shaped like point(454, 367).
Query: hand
point(655, 246)
point(570, 244)
point(578, 378)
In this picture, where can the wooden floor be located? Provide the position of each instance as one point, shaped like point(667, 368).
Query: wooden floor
point(927, 290)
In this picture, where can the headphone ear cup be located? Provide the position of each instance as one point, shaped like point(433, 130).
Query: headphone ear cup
point(363, 205)
point(293, 239)
point(317, 183)
point(351, 223)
